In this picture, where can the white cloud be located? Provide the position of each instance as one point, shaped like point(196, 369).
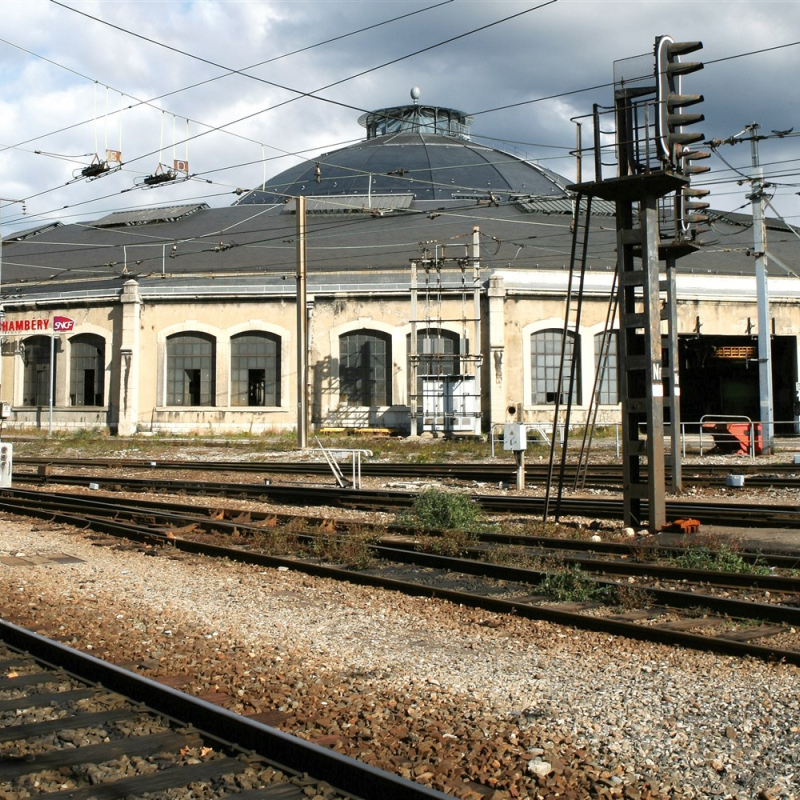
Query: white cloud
point(566, 46)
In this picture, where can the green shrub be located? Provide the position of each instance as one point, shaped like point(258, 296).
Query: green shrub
point(438, 510)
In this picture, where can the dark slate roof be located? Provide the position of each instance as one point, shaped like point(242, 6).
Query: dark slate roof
point(256, 244)
point(430, 166)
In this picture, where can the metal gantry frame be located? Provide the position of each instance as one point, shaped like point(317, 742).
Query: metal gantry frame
point(427, 313)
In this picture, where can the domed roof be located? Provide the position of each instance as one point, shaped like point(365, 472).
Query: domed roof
point(424, 151)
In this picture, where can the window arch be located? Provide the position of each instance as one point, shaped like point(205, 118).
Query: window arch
point(365, 377)
point(191, 366)
point(36, 381)
point(438, 351)
point(608, 389)
point(255, 369)
point(86, 370)
point(545, 365)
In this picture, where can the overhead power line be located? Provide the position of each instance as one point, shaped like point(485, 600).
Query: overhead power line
point(228, 73)
point(222, 128)
point(299, 93)
point(313, 94)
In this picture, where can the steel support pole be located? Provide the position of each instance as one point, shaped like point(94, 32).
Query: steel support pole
point(302, 327)
point(762, 298)
point(477, 344)
point(51, 383)
point(413, 360)
point(654, 388)
point(674, 378)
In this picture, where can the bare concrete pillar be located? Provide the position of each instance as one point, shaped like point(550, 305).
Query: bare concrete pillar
point(129, 359)
point(497, 324)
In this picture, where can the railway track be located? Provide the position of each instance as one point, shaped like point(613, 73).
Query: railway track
point(707, 512)
point(220, 514)
point(480, 584)
point(609, 558)
point(597, 475)
point(73, 726)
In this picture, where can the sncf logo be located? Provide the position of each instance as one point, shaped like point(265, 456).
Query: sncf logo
point(63, 324)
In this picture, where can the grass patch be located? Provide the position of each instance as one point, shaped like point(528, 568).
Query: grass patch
point(575, 586)
point(352, 549)
point(518, 556)
point(453, 543)
point(722, 559)
point(628, 598)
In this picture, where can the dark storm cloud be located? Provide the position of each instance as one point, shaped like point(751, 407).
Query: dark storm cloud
point(566, 46)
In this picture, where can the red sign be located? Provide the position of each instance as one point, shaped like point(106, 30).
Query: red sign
point(25, 325)
point(61, 324)
point(40, 324)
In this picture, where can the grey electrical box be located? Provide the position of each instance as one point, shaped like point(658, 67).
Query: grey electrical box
point(6, 464)
point(5, 410)
point(515, 436)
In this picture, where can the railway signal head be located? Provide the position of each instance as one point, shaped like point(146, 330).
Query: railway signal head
point(671, 139)
point(692, 212)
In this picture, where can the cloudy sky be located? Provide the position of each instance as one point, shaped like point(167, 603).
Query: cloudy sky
point(80, 76)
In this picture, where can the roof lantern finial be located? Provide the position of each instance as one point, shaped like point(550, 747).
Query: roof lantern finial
point(415, 93)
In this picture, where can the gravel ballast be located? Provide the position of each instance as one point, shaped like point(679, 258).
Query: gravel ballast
point(458, 698)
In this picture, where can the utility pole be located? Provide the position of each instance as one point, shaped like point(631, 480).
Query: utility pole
point(302, 329)
point(756, 197)
point(2, 305)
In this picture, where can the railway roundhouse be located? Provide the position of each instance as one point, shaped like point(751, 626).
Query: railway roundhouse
point(436, 271)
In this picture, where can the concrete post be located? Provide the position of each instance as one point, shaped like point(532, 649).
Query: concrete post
point(497, 335)
point(128, 403)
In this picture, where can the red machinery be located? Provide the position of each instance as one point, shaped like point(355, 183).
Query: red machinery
point(734, 437)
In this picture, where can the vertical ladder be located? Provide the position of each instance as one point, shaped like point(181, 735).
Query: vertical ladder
point(570, 322)
point(593, 407)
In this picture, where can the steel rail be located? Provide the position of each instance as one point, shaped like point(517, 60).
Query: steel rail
point(780, 558)
point(733, 514)
point(490, 603)
point(297, 755)
point(760, 475)
point(221, 519)
point(181, 516)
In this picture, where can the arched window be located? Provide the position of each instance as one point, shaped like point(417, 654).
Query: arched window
point(438, 351)
point(545, 364)
point(86, 370)
point(255, 369)
point(608, 392)
point(365, 377)
point(191, 365)
point(36, 381)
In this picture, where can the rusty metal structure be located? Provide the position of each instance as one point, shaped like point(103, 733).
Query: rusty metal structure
point(657, 219)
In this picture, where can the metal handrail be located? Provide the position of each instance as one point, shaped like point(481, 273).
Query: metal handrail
point(330, 457)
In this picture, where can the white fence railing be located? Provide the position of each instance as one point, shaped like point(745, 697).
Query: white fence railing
point(695, 436)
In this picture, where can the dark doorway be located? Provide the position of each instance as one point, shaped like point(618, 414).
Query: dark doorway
point(719, 375)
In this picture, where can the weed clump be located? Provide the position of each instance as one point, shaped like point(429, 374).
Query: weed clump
point(352, 550)
point(722, 560)
point(451, 518)
point(574, 586)
point(438, 510)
